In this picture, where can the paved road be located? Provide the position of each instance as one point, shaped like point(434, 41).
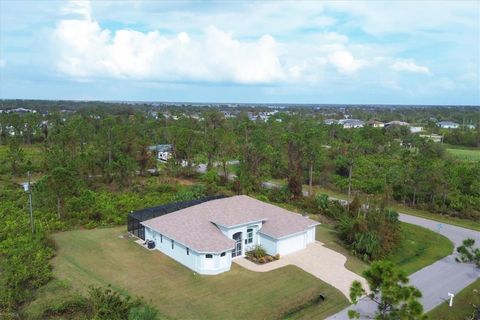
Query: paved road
point(436, 280)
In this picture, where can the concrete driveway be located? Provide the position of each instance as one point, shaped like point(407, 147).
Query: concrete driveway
point(321, 262)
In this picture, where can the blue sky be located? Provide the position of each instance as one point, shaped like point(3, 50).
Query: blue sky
point(396, 52)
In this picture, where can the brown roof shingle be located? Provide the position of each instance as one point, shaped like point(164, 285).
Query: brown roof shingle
point(195, 227)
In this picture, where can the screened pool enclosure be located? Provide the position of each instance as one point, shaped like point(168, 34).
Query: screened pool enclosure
point(136, 217)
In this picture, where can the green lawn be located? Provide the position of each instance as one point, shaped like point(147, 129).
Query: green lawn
point(465, 154)
point(102, 257)
point(419, 248)
point(462, 305)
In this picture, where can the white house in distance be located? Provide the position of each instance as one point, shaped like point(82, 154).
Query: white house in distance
point(376, 124)
point(163, 151)
point(416, 129)
point(448, 125)
point(206, 237)
point(351, 123)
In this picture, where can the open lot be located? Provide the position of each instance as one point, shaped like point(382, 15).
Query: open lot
point(102, 257)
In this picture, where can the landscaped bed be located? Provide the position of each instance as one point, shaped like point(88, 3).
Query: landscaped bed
point(258, 255)
point(101, 257)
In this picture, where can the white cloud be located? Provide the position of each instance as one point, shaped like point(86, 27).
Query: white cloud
point(409, 65)
point(344, 61)
point(86, 50)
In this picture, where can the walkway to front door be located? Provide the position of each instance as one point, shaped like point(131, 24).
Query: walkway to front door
point(238, 245)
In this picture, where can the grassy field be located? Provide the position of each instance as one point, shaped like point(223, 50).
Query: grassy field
point(102, 257)
point(465, 154)
point(419, 248)
point(462, 305)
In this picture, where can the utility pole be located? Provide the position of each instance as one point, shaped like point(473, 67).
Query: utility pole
point(30, 203)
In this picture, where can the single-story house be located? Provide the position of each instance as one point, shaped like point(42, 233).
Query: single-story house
point(416, 129)
point(330, 121)
point(206, 237)
point(397, 123)
point(448, 125)
point(376, 124)
point(163, 151)
point(351, 123)
point(432, 137)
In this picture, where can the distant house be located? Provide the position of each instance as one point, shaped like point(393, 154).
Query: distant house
point(163, 151)
point(432, 137)
point(470, 126)
point(330, 121)
point(397, 123)
point(448, 125)
point(351, 123)
point(207, 236)
point(416, 129)
point(376, 124)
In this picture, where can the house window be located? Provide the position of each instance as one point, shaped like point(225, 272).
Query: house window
point(188, 251)
point(172, 244)
point(223, 254)
point(249, 238)
point(208, 256)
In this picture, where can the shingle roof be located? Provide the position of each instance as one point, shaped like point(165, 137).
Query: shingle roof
point(195, 227)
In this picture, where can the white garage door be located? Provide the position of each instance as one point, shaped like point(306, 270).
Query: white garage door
point(292, 244)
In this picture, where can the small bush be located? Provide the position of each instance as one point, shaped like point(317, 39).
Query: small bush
point(262, 260)
point(257, 252)
point(269, 258)
point(277, 256)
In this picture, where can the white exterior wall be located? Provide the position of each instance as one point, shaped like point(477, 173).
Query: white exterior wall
point(194, 260)
point(311, 234)
point(269, 244)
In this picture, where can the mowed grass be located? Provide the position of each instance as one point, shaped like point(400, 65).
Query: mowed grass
point(465, 154)
point(462, 305)
point(102, 257)
point(419, 248)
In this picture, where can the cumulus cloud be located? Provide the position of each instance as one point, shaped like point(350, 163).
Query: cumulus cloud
point(86, 50)
point(409, 65)
point(344, 61)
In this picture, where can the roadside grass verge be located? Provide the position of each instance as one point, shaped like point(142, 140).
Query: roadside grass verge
point(419, 248)
point(102, 257)
point(462, 305)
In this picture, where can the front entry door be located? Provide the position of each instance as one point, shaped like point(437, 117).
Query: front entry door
point(238, 245)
